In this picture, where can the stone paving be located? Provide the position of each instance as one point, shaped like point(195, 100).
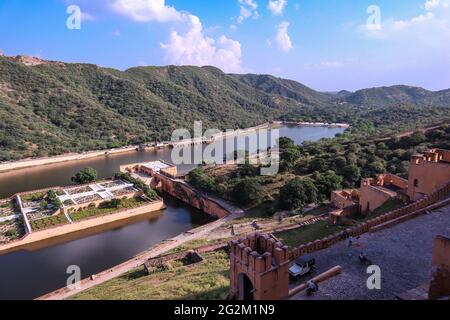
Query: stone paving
point(403, 253)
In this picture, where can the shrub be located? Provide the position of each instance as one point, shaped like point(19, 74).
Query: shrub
point(86, 175)
point(199, 179)
point(247, 191)
point(150, 193)
point(297, 193)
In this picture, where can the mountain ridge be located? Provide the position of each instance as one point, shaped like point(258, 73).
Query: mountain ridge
point(51, 107)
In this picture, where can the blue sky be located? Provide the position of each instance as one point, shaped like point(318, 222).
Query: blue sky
point(329, 45)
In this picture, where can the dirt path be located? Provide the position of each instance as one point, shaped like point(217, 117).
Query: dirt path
point(409, 133)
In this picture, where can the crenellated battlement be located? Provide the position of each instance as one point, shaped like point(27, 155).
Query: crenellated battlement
point(262, 247)
point(260, 259)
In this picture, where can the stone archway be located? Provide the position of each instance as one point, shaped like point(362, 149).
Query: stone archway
point(246, 288)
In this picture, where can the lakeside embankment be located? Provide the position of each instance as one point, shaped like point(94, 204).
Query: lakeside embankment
point(35, 237)
point(28, 163)
point(72, 157)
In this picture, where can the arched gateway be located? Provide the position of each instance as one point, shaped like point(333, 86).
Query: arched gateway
point(259, 268)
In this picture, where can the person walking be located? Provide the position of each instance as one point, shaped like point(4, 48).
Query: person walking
point(350, 241)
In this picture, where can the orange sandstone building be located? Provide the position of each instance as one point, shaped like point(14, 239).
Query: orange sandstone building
point(375, 192)
point(428, 173)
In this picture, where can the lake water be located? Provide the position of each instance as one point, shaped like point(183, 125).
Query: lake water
point(42, 268)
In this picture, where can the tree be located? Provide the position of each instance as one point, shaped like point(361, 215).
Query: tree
point(374, 168)
point(290, 155)
point(339, 163)
point(57, 203)
point(51, 195)
point(297, 193)
point(86, 175)
point(247, 191)
point(199, 179)
point(326, 183)
point(417, 138)
point(248, 170)
point(302, 167)
point(352, 174)
point(318, 164)
point(286, 143)
point(354, 148)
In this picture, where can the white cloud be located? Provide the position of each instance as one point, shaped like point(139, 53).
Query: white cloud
point(194, 48)
point(431, 4)
point(146, 10)
point(248, 8)
point(277, 6)
point(187, 43)
point(283, 39)
point(432, 27)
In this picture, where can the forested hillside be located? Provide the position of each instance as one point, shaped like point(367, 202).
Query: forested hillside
point(49, 108)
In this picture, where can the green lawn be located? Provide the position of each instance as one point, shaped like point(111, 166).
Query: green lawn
point(297, 237)
point(97, 212)
point(208, 280)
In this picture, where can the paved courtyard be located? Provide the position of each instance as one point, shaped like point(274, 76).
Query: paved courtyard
point(403, 253)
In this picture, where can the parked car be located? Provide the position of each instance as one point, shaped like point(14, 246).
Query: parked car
point(302, 266)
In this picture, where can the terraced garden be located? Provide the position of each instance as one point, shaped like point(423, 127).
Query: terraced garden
point(7, 209)
point(49, 222)
point(106, 208)
point(33, 197)
point(11, 230)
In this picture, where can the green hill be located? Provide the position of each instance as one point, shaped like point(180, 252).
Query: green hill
point(286, 88)
point(49, 108)
point(53, 108)
point(386, 96)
